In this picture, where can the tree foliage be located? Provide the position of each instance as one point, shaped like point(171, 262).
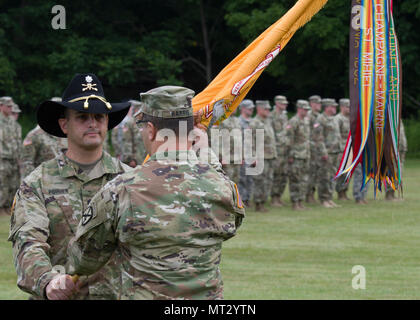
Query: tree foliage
point(135, 45)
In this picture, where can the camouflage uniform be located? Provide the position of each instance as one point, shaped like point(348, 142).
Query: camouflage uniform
point(344, 125)
point(246, 182)
point(298, 149)
point(263, 182)
point(39, 146)
point(9, 152)
point(18, 158)
point(169, 218)
point(280, 174)
point(228, 146)
point(127, 142)
point(327, 140)
point(49, 205)
point(314, 163)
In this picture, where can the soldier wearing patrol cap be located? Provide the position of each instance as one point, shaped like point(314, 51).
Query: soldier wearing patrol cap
point(9, 153)
point(343, 119)
point(298, 153)
point(51, 200)
point(169, 216)
point(263, 182)
point(327, 139)
point(314, 162)
point(126, 139)
point(246, 182)
point(279, 118)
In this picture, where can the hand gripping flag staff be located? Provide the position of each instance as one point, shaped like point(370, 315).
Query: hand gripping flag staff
point(223, 95)
point(375, 94)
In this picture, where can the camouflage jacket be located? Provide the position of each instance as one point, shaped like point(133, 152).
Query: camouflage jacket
point(169, 218)
point(270, 151)
point(230, 142)
point(344, 124)
point(18, 139)
point(279, 125)
point(9, 138)
point(48, 207)
point(312, 118)
point(297, 132)
point(127, 142)
point(327, 136)
point(39, 146)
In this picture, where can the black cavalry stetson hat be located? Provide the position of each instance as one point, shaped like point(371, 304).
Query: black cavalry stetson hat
point(85, 94)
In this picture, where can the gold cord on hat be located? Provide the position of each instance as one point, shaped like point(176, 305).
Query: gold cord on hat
point(92, 96)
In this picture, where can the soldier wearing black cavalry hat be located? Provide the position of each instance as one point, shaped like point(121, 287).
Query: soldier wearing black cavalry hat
point(51, 200)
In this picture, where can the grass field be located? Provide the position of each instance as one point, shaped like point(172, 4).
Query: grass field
point(285, 254)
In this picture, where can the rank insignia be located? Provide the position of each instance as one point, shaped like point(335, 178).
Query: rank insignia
point(89, 85)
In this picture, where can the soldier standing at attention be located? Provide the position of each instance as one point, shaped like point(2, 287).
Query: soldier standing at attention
point(18, 139)
point(51, 200)
point(327, 139)
point(126, 140)
point(359, 194)
point(9, 151)
point(229, 146)
point(169, 216)
point(246, 182)
point(39, 146)
point(314, 163)
point(264, 181)
point(298, 153)
point(343, 119)
point(279, 117)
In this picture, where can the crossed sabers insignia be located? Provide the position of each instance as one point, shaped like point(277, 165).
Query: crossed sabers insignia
point(89, 86)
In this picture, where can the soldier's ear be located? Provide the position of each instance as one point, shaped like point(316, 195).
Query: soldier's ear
point(63, 124)
point(151, 131)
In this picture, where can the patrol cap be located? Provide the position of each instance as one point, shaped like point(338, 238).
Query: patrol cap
point(281, 99)
point(15, 108)
point(247, 104)
point(344, 102)
point(315, 98)
point(303, 104)
point(328, 102)
point(7, 101)
point(263, 103)
point(167, 102)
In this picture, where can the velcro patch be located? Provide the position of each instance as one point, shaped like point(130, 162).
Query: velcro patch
point(87, 215)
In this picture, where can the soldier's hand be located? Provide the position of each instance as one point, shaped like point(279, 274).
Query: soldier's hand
point(197, 120)
point(325, 158)
point(132, 163)
point(61, 287)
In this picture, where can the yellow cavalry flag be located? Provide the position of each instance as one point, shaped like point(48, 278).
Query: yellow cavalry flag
point(223, 95)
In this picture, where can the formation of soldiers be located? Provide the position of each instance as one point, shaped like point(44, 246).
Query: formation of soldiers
point(123, 228)
point(304, 151)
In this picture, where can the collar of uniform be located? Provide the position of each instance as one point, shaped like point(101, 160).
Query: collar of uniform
point(175, 155)
point(105, 165)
